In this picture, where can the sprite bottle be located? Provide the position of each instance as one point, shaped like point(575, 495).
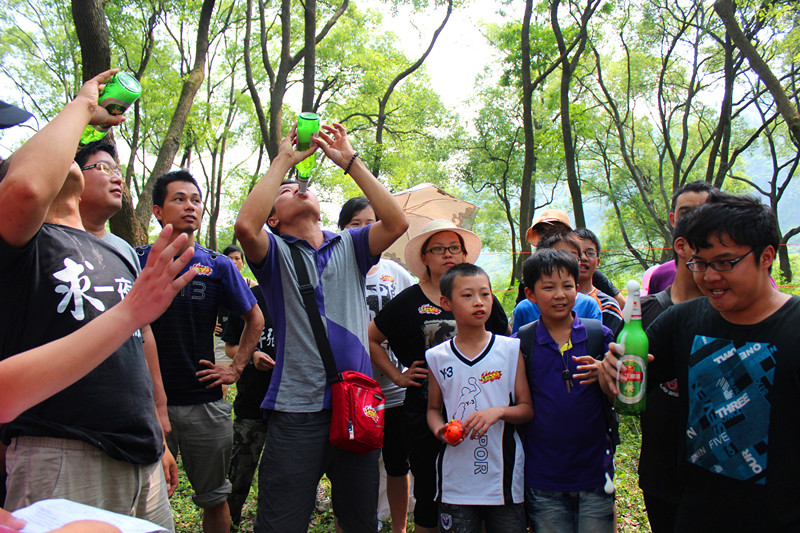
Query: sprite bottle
point(633, 364)
point(307, 127)
point(117, 96)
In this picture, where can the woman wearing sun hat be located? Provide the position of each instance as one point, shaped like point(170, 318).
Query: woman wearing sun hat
point(413, 322)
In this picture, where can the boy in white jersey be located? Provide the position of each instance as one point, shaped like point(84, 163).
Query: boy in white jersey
point(481, 378)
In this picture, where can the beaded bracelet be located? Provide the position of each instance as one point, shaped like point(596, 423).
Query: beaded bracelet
point(350, 164)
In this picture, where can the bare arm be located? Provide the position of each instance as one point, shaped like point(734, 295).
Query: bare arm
point(225, 375)
point(436, 421)
point(381, 359)
point(392, 221)
point(160, 401)
point(37, 170)
point(249, 226)
point(153, 366)
point(32, 376)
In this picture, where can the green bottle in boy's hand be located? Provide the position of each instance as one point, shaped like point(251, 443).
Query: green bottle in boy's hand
point(633, 364)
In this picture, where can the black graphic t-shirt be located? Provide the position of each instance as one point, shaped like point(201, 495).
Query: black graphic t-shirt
point(58, 282)
point(739, 388)
point(412, 324)
point(253, 383)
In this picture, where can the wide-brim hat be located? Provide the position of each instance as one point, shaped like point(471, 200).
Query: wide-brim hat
point(413, 252)
point(548, 216)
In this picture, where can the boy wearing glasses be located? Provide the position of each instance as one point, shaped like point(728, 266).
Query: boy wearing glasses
point(734, 354)
point(590, 260)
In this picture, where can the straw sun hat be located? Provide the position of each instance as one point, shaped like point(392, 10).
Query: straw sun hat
point(413, 253)
point(548, 216)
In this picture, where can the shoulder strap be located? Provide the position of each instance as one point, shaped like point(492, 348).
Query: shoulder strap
point(526, 335)
point(594, 336)
point(310, 304)
point(663, 299)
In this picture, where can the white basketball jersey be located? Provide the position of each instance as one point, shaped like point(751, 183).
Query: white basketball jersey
point(489, 470)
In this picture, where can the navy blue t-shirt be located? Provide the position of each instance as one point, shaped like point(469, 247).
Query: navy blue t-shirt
point(185, 332)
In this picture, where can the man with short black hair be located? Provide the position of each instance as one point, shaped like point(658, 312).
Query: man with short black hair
point(100, 200)
point(200, 417)
point(98, 441)
point(298, 450)
point(684, 199)
point(734, 355)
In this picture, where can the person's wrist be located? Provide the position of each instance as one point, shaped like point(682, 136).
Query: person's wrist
point(351, 161)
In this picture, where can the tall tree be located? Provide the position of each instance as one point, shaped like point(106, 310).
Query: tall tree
point(169, 147)
point(568, 66)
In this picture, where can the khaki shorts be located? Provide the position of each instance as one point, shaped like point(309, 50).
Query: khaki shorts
point(203, 435)
point(43, 467)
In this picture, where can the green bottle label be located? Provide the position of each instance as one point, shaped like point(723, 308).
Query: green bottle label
point(631, 391)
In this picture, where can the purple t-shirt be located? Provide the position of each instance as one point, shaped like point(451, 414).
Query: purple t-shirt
point(337, 270)
point(662, 277)
point(567, 445)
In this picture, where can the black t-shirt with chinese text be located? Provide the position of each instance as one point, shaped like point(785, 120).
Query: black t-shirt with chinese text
point(58, 282)
point(253, 383)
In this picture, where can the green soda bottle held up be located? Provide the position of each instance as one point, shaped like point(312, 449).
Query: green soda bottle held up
point(307, 127)
point(117, 96)
point(633, 364)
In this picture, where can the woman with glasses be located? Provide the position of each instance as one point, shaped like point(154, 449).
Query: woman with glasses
point(413, 322)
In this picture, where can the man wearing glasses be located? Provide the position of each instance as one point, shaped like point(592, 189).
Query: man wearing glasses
point(100, 200)
point(735, 356)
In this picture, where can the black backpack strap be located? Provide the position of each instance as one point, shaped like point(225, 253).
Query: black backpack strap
point(595, 340)
point(594, 337)
point(310, 304)
point(526, 335)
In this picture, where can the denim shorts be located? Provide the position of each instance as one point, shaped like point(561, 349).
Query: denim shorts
point(586, 511)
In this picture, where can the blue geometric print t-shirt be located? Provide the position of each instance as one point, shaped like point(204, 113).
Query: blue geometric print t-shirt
point(729, 407)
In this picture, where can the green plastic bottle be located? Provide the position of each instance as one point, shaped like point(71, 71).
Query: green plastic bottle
point(633, 365)
point(307, 127)
point(117, 96)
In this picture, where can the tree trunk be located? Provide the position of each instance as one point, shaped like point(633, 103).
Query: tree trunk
point(93, 36)
point(169, 147)
point(567, 69)
point(528, 189)
point(726, 11)
point(376, 165)
point(92, 31)
point(310, 58)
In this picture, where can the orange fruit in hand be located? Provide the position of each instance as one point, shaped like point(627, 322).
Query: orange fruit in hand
point(454, 431)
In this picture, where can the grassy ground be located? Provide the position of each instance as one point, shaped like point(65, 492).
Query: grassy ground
point(630, 506)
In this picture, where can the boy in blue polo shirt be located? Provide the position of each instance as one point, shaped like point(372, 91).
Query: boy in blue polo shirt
point(568, 452)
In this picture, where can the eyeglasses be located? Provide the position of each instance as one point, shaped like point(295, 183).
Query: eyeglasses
point(439, 250)
point(720, 266)
point(590, 254)
point(105, 168)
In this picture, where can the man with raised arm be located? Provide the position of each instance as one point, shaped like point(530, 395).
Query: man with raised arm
point(98, 441)
point(298, 451)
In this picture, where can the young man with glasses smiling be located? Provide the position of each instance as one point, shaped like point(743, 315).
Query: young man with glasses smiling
point(734, 354)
